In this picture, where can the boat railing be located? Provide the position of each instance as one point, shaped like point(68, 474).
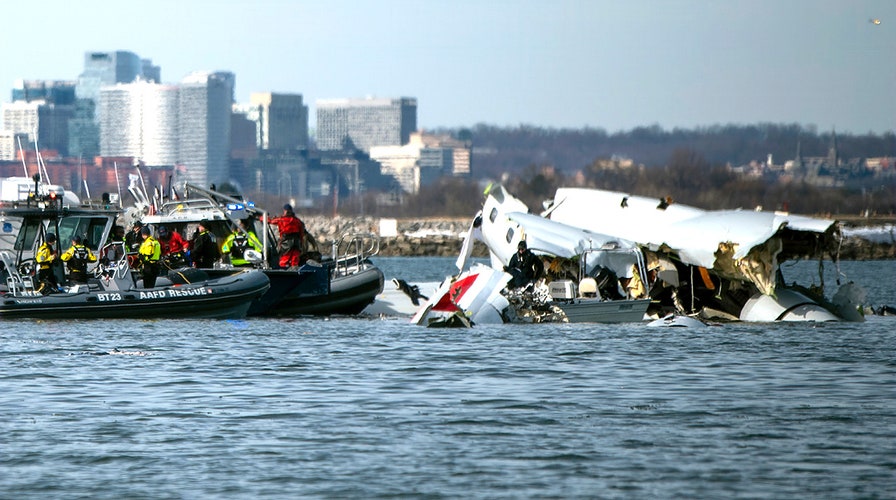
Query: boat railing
point(171, 207)
point(19, 284)
point(352, 249)
point(114, 271)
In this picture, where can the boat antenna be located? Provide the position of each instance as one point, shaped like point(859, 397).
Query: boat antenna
point(117, 182)
point(41, 167)
point(22, 152)
point(142, 183)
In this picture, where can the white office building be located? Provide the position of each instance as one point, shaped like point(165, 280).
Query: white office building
point(205, 103)
point(140, 120)
point(346, 124)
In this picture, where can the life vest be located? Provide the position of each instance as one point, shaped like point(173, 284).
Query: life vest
point(77, 258)
point(150, 250)
point(45, 255)
point(237, 244)
point(240, 245)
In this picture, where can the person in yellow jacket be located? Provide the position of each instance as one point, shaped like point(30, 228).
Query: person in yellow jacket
point(77, 257)
point(45, 258)
point(150, 253)
point(240, 240)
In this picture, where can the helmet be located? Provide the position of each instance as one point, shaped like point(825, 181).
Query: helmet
point(145, 231)
point(163, 231)
point(77, 239)
point(522, 245)
point(51, 238)
point(287, 207)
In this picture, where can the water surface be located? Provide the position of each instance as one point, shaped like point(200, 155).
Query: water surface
point(365, 408)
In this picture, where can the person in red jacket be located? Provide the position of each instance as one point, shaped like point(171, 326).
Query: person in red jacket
point(292, 235)
point(173, 247)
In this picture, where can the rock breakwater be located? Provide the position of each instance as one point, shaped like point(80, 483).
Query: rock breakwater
point(398, 237)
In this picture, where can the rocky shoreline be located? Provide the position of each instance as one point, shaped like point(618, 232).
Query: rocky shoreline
point(411, 238)
point(444, 236)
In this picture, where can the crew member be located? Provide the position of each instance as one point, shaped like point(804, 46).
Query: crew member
point(292, 235)
point(134, 239)
point(45, 258)
point(524, 266)
point(150, 252)
point(114, 249)
point(203, 247)
point(240, 240)
point(77, 257)
point(173, 246)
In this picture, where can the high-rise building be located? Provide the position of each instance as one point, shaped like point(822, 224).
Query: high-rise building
point(57, 92)
point(140, 120)
point(9, 145)
point(21, 117)
point(107, 68)
point(102, 69)
point(204, 109)
point(360, 124)
point(282, 121)
point(41, 110)
point(425, 158)
point(38, 121)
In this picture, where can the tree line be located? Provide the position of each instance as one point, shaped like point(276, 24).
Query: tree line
point(691, 166)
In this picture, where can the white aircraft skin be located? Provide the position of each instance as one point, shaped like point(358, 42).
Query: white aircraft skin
point(506, 222)
point(736, 244)
point(693, 233)
point(587, 219)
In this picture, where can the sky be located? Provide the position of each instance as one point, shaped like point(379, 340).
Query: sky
point(609, 64)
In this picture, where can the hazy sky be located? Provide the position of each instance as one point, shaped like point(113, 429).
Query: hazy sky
point(567, 63)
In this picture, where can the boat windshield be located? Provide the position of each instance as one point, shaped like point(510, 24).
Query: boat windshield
point(28, 235)
point(91, 228)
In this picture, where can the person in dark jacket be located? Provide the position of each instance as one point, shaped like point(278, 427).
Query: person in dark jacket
point(524, 266)
point(203, 247)
point(133, 239)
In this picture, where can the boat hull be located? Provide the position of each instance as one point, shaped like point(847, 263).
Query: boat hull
point(604, 311)
point(227, 297)
point(348, 295)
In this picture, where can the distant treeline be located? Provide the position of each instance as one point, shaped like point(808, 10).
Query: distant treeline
point(509, 149)
point(690, 166)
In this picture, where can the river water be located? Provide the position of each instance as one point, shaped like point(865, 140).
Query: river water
point(370, 407)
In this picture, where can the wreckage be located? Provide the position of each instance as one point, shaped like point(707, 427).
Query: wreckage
point(589, 277)
point(648, 257)
point(718, 263)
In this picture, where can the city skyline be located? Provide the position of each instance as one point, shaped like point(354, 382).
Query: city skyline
point(563, 64)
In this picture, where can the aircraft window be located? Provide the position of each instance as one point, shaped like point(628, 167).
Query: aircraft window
point(498, 194)
point(493, 214)
point(509, 235)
